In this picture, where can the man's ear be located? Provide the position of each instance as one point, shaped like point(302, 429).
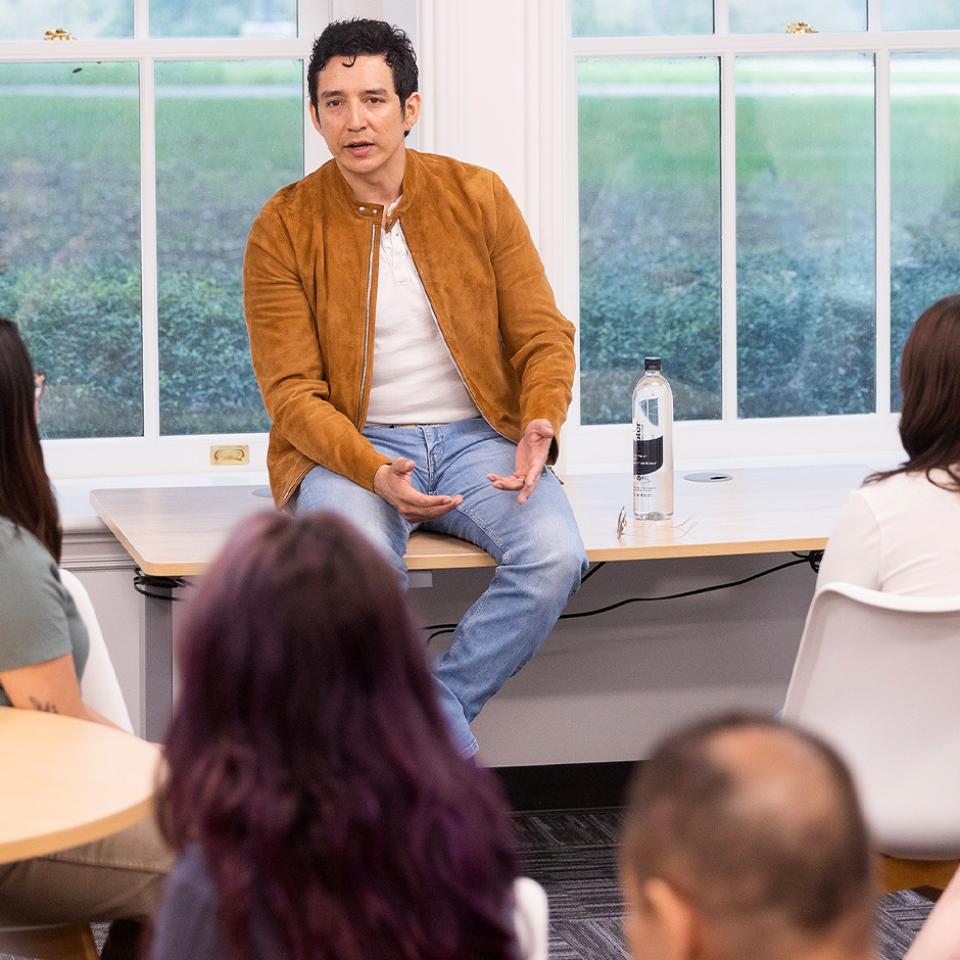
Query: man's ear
point(315, 119)
point(411, 111)
point(678, 922)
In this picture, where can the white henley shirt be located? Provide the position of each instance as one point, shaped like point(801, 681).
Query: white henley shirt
point(414, 377)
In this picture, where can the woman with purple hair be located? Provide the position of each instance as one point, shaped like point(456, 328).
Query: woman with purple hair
point(318, 806)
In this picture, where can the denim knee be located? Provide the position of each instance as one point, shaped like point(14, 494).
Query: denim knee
point(567, 568)
point(554, 567)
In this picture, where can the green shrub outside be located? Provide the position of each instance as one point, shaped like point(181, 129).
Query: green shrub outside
point(650, 285)
point(81, 324)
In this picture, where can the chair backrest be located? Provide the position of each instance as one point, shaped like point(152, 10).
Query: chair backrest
point(878, 676)
point(99, 684)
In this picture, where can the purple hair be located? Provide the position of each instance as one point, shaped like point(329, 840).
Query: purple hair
point(309, 758)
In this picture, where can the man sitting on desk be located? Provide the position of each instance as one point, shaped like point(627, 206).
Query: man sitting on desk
point(412, 358)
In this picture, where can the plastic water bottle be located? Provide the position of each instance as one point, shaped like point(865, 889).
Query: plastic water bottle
point(652, 444)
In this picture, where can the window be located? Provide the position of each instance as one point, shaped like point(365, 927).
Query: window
point(70, 238)
point(650, 210)
point(134, 158)
point(767, 211)
point(228, 135)
point(925, 188)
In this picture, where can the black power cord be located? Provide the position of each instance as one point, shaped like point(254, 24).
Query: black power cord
point(143, 581)
point(812, 558)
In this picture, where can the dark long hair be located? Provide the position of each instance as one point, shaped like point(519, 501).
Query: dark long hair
point(309, 758)
point(25, 494)
point(930, 382)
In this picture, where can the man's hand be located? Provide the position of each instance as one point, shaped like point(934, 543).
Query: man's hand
point(532, 452)
point(392, 482)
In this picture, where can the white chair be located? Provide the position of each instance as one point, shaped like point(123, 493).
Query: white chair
point(99, 685)
point(878, 676)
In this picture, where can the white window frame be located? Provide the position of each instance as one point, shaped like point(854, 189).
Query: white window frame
point(153, 453)
point(549, 107)
point(873, 435)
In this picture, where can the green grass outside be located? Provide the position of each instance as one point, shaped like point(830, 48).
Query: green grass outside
point(69, 187)
point(70, 252)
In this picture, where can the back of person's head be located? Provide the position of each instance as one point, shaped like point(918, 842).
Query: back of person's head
point(309, 758)
point(930, 382)
point(744, 839)
point(25, 494)
point(366, 38)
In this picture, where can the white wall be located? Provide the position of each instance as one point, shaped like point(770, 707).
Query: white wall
point(606, 688)
point(601, 688)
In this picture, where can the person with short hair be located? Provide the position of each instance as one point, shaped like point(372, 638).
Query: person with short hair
point(900, 532)
point(319, 807)
point(43, 653)
point(744, 839)
point(412, 359)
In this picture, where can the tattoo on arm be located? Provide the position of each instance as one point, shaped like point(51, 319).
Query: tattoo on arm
point(48, 707)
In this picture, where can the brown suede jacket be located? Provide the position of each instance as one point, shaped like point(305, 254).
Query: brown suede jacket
point(310, 295)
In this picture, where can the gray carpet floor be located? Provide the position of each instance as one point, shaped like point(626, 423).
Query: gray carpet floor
point(572, 854)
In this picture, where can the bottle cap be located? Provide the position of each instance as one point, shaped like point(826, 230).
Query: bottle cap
point(652, 363)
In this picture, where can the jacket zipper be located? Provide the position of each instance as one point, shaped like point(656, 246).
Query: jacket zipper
point(366, 345)
point(366, 325)
point(288, 493)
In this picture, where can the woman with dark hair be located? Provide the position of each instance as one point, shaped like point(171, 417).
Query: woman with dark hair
point(318, 804)
point(901, 531)
point(43, 651)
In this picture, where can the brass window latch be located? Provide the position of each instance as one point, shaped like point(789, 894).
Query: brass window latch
point(58, 34)
point(800, 27)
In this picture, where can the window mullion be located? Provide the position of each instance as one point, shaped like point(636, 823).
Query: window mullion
point(569, 199)
point(874, 16)
point(728, 236)
point(312, 17)
point(883, 227)
point(721, 16)
point(141, 19)
point(148, 251)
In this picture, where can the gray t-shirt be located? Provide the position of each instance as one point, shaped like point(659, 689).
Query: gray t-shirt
point(38, 618)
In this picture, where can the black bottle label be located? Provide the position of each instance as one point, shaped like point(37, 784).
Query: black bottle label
point(647, 456)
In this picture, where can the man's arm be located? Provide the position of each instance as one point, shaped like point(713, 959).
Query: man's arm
point(287, 359)
point(288, 363)
point(539, 343)
point(538, 339)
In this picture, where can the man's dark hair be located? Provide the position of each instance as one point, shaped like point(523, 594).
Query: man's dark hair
point(758, 825)
point(366, 38)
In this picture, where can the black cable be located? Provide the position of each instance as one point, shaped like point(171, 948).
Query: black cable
point(592, 571)
point(812, 558)
point(684, 593)
point(143, 580)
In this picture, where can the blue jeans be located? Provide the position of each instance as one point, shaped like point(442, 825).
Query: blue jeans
point(537, 547)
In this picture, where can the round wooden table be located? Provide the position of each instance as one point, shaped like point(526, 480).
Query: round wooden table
point(67, 782)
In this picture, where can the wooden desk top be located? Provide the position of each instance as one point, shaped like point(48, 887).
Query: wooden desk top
point(176, 531)
point(68, 782)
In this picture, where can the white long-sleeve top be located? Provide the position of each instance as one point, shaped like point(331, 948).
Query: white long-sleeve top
point(900, 535)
